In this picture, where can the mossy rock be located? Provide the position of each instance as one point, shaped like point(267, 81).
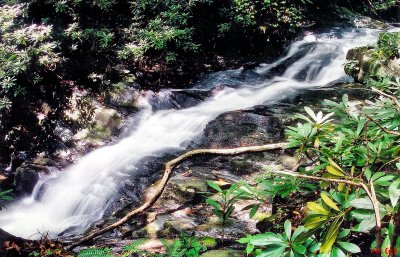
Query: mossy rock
point(223, 253)
point(183, 189)
point(107, 123)
point(208, 242)
point(122, 95)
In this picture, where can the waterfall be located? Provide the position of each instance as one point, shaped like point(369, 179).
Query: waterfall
point(75, 198)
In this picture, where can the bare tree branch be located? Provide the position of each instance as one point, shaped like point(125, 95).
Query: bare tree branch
point(158, 190)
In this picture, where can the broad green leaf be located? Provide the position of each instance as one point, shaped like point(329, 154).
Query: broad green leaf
point(253, 210)
point(288, 229)
point(314, 221)
point(315, 207)
point(329, 201)
point(299, 248)
point(334, 164)
point(361, 214)
point(273, 251)
point(297, 232)
point(334, 171)
point(362, 203)
point(213, 203)
point(232, 188)
point(384, 181)
point(377, 175)
point(249, 248)
point(344, 233)
point(331, 236)
point(366, 224)
point(385, 246)
point(394, 192)
point(305, 235)
point(266, 239)
point(336, 252)
point(367, 173)
point(350, 247)
point(215, 186)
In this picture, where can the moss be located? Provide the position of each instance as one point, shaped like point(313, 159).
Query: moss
point(208, 242)
point(98, 132)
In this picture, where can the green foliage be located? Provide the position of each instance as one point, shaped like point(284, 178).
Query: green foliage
point(389, 43)
point(223, 206)
point(185, 246)
point(5, 196)
point(95, 252)
point(133, 247)
point(280, 244)
point(25, 49)
point(350, 144)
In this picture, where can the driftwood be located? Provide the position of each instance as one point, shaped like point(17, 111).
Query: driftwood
point(169, 166)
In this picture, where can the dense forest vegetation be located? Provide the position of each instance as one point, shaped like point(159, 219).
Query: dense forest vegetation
point(347, 175)
point(50, 47)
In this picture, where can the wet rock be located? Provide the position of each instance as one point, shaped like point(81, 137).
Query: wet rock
point(107, 123)
point(367, 22)
point(241, 128)
point(183, 189)
point(27, 175)
point(122, 95)
point(186, 98)
point(223, 253)
point(363, 63)
point(25, 179)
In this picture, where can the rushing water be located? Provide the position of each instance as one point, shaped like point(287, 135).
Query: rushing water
point(75, 198)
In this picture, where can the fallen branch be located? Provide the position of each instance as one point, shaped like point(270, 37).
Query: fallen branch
point(169, 166)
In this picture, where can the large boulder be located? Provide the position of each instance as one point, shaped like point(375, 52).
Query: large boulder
point(380, 61)
point(241, 128)
point(123, 95)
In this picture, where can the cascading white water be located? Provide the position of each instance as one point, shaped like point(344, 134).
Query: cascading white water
point(75, 198)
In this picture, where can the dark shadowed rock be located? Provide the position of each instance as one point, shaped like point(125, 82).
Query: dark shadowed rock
point(25, 179)
point(241, 128)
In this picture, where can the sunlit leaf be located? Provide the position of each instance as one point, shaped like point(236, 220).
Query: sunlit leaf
point(331, 236)
point(329, 201)
point(315, 207)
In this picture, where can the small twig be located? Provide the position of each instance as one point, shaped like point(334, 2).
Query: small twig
point(393, 98)
point(375, 204)
point(383, 128)
point(330, 180)
point(372, 7)
point(389, 162)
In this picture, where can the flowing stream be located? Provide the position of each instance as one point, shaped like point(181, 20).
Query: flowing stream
point(78, 196)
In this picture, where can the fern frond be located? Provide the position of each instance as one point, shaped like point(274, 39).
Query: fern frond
point(133, 247)
point(95, 252)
